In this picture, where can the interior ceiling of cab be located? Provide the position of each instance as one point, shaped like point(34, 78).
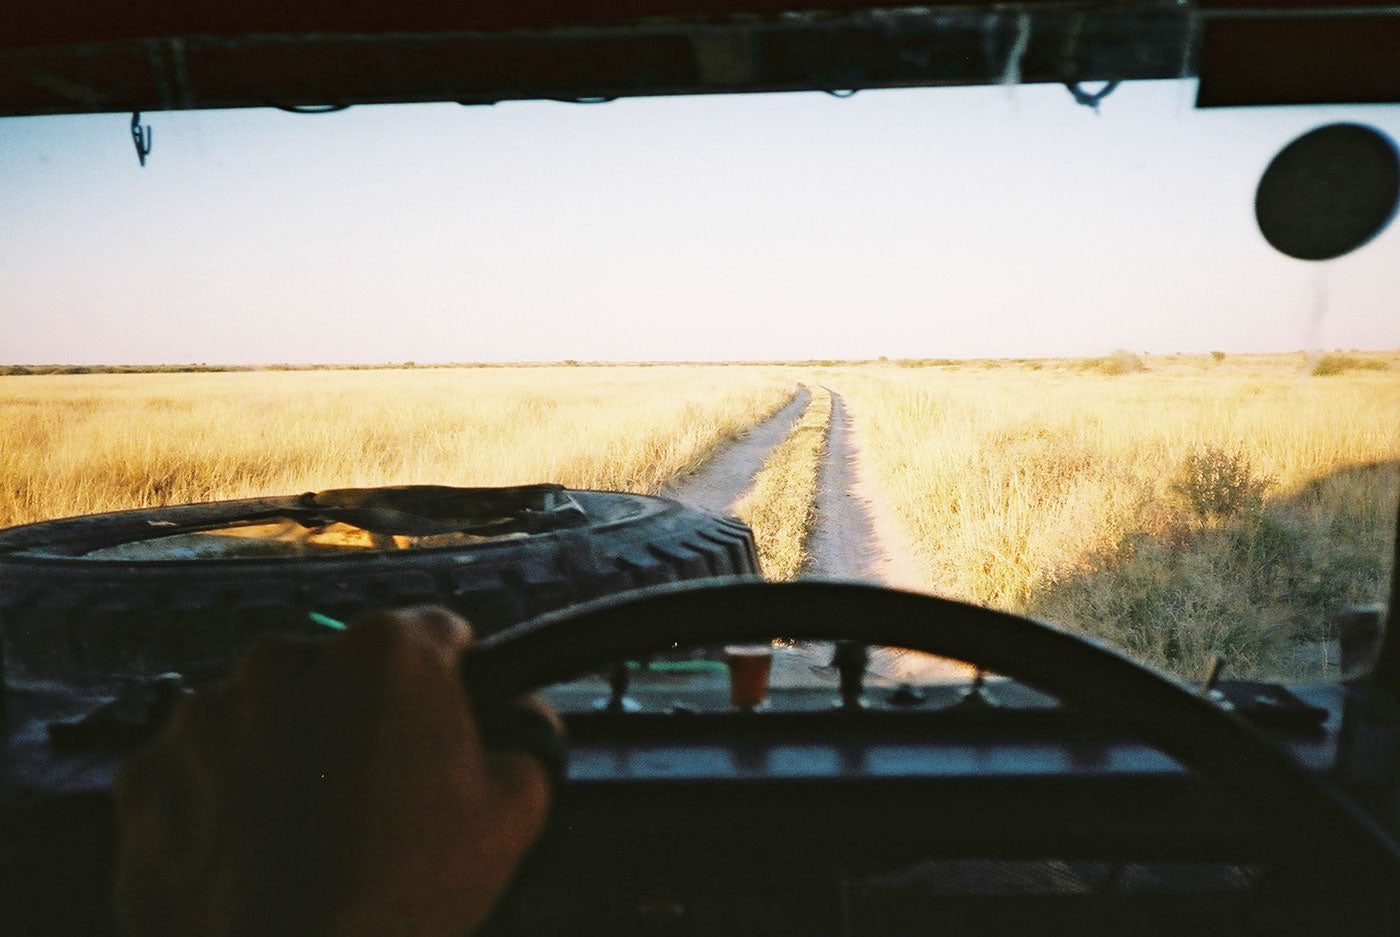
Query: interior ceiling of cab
point(66, 57)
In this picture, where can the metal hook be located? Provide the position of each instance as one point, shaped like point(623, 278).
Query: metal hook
point(141, 136)
point(1095, 98)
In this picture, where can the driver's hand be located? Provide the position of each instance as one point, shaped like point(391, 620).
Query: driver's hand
point(327, 789)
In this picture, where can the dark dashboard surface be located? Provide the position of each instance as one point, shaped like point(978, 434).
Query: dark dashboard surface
point(684, 736)
point(685, 817)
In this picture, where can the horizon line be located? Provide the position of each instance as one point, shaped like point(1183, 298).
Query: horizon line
point(17, 370)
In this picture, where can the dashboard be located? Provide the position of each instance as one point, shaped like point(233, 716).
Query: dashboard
point(983, 808)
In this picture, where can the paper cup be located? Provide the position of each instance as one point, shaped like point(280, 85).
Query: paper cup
point(749, 665)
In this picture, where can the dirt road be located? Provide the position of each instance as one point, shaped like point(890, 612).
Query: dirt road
point(718, 485)
point(853, 537)
point(850, 539)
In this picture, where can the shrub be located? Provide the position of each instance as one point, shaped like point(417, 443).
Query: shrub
point(1337, 363)
point(928, 362)
point(1169, 607)
point(1217, 356)
point(1219, 484)
point(1120, 362)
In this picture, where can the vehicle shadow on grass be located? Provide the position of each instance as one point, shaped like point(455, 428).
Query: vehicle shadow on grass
point(1260, 585)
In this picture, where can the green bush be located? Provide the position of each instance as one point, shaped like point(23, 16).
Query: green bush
point(1168, 606)
point(1338, 363)
point(1218, 484)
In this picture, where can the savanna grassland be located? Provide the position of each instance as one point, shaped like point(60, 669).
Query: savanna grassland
point(72, 444)
point(1177, 507)
point(1174, 506)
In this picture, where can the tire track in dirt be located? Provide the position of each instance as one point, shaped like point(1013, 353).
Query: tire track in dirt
point(718, 485)
point(843, 543)
point(851, 538)
point(854, 538)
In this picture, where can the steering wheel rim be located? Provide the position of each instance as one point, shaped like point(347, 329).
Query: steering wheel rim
point(1314, 825)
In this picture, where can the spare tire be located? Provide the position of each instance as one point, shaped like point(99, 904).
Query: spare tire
point(93, 601)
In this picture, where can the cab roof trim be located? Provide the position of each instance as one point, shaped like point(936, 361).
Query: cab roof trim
point(168, 55)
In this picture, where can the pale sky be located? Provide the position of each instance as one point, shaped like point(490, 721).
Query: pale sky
point(915, 223)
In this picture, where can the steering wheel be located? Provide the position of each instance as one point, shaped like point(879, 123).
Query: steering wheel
point(1318, 840)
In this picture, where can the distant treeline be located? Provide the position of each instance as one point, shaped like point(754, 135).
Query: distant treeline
point(205, 368)
point(10, 369)
point(117, 368)
point(1119, 362)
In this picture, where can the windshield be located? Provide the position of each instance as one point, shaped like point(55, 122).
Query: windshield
point(988, 343)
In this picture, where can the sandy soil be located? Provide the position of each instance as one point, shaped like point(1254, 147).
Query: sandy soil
point(718, 485)
point(854, 537)
point(857, 538)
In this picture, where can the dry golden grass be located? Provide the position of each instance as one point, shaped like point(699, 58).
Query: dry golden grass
point(82, 443)
point(1057, 488)
point(781, 506)
point(1066, 492)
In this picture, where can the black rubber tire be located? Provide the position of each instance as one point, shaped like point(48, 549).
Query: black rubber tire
point(96, 622)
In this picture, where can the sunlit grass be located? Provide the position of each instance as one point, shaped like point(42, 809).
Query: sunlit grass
point(781, 506)
point(83, 443)
point(1206, 504)
point(1048, 489)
